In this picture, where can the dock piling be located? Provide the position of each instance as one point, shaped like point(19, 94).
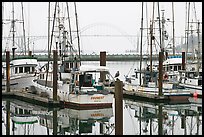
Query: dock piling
point(118, 107)
point(7, 71)
point(160, 72)
point(55, 66)
point(102, 63)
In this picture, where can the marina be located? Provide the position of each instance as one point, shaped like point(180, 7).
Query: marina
point(67, 89)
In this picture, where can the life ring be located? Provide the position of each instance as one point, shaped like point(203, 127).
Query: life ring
point(165, 76)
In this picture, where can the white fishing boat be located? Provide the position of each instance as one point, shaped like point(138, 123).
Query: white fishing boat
point(83, 89)
point(22, 67)
point(22, 72)
point(77, 85)
point(192, 79)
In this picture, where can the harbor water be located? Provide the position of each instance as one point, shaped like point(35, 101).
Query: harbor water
point(139, 117)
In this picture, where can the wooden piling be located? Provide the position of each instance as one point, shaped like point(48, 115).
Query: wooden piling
point(102, 63)
point(55, 67)
point(118, 107)
point(8, 117)
point(183, 60)
point(30, 53)
point(160, 72)
point(160, 120)
point(8, 71)
point(55, 123)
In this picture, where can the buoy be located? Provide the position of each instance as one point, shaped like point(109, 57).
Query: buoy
point(195, 94)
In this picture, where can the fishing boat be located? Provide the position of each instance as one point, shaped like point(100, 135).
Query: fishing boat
point(22, 67)
point(148, 82)
point(22, 72)
point(77, 85)
point(83, 89)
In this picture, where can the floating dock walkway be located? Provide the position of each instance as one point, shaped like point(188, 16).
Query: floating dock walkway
point(27, 96)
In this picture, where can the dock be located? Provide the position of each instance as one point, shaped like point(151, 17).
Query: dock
point(29, 97)
point(155, 98)
point(96, 57)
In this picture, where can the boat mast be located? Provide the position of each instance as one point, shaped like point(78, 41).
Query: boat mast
point(173, 28)
point(49, 46)
point(141, 45)
point(70, 32)
point(13, 31)
point(198, 52)
point(2, 18)
point(23, 29)
point(77, 32)
point(151, 39)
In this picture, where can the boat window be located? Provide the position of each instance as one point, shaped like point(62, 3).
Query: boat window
point(20, 111)
point(16, 110)
point(71, 65)
point(191, 75)
point(16, 70)
point(33, 69)
point(175, 68)
point(26, 111)
point(27, 69)
point(179, 67)
point(199, 82)
point(167, 68)
point(20, 69)
point(170, 67)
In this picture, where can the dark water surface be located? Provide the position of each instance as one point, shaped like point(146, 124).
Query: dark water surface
point(139, 118)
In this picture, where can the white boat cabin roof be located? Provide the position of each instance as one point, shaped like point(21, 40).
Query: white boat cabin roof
point(172, 61)
point(91, 68)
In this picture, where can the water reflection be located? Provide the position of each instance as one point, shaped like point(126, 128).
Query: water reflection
point(28, 119)
point(166, 119)
point(140, 118)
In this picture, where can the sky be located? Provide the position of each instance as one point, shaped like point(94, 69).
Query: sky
point(109, 19)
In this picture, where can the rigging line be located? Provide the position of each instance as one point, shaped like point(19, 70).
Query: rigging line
point(188, 16)
point(51, 41)
point(24, 42)
point(147, 27)
point(141, 43)
point(160, 33)
point(77, 32)
point(70, 31)
point(195, 11)
point(173, 28)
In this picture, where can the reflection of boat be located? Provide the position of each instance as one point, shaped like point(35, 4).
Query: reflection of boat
point(23, 119)
point(166, 119)
point(72, 121)
point(196, 104)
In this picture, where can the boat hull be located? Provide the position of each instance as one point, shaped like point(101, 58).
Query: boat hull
point(19, 83)
point(87, 100)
